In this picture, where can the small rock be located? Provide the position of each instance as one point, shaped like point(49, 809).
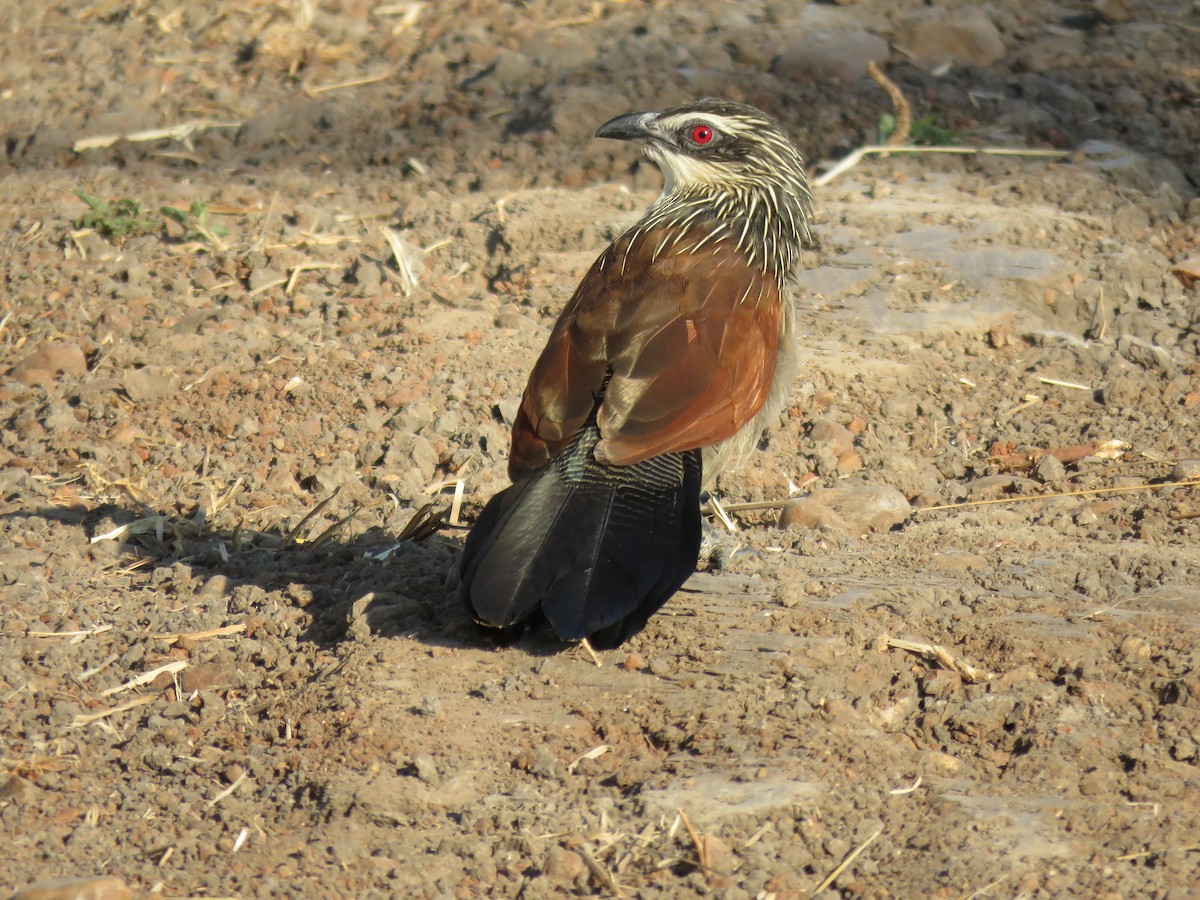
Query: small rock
point(563, 866)
point(1186, 470)
point(106, 887)
point(837, 437)
point(900, 407)
point(830, 56)
point(47, 361)
point(965, 36)
point(149, 383)
point(943, 762)
point(426, 769)
point(431, 706)
point(1049, 469)
point(207, 676)
point(1134, 649)
point(849, 462)
point(17, 789)
point(852, 510)
point(1113, 11)
point(264, 276)
point(808, 513)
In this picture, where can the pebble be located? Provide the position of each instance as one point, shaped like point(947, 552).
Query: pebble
point(852, 510)
point(208, 676)
point(1113, 11)
point(563, 866)
point(149, 383)
point(264, 276)
point(836, 436)
point(899, 407)
point(830, 56)
point(965, 36)
point(17, 789)
point(1185, 470)
point(1049, 469)
point(47, 361)
point(105, 887)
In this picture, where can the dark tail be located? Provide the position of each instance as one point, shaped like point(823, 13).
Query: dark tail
point(597, 549)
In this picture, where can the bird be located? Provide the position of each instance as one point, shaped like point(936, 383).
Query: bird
point(664, 368)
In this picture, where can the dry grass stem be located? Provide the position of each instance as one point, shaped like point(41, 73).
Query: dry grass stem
point(408, 257)
point(225, 631)
point(290, 537)
point(944, 658)
point(899, 792)
point(317, 90)
point(229, 790)
point(594, 753)
point(602, 875)
point(757, 836)
point(87, 718)
point(307, 267)
point(96, 669)
point(1195, 482)
point(172, 668)
point(720, 512)
point(1067, 384)
point(182, 132)
point(899, 103)
point(845, 863)
point(1141, 854)
point(140, 526)
point(703, 857)
point(592, 653)
point(862, 153)
point(76, 636)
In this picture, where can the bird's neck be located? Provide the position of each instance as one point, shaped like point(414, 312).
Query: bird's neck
point(769, 224)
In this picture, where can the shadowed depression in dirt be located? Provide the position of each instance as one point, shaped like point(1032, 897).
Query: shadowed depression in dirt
point(274, 275)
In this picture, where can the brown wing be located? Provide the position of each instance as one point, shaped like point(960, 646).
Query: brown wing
point(690, 337)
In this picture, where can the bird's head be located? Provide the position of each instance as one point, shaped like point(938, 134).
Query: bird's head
point(733, 163)
point(714, 145)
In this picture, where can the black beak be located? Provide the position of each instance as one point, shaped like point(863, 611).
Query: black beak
point(629, 127)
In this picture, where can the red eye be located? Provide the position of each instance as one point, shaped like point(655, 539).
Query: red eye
point(702, 134)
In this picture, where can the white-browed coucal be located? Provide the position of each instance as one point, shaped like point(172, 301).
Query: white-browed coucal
point(666, 365)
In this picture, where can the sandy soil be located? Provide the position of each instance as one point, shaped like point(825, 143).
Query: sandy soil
point(230, 667)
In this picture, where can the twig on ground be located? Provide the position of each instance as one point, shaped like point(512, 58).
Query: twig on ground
point(172, 668)
point(182, 132)
point(702, 854)
point(592, 653)
point(899, 103)
point(317, 90)
point(719, 510)
point(599, 872)
point(845, 863)
point(1195, 482)
point(225, 631)
point(899, 792)
point(308, 517)
point(229, 790)
point(75, 636)
point(861, 153)
point(88, 718)
point(943, 657)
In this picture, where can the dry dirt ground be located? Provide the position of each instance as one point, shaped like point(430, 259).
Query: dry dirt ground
point(230, 667)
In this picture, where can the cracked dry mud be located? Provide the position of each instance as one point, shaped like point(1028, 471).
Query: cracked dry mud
point(319, 717)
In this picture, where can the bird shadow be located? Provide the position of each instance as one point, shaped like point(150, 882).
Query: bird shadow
point(377, 582)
